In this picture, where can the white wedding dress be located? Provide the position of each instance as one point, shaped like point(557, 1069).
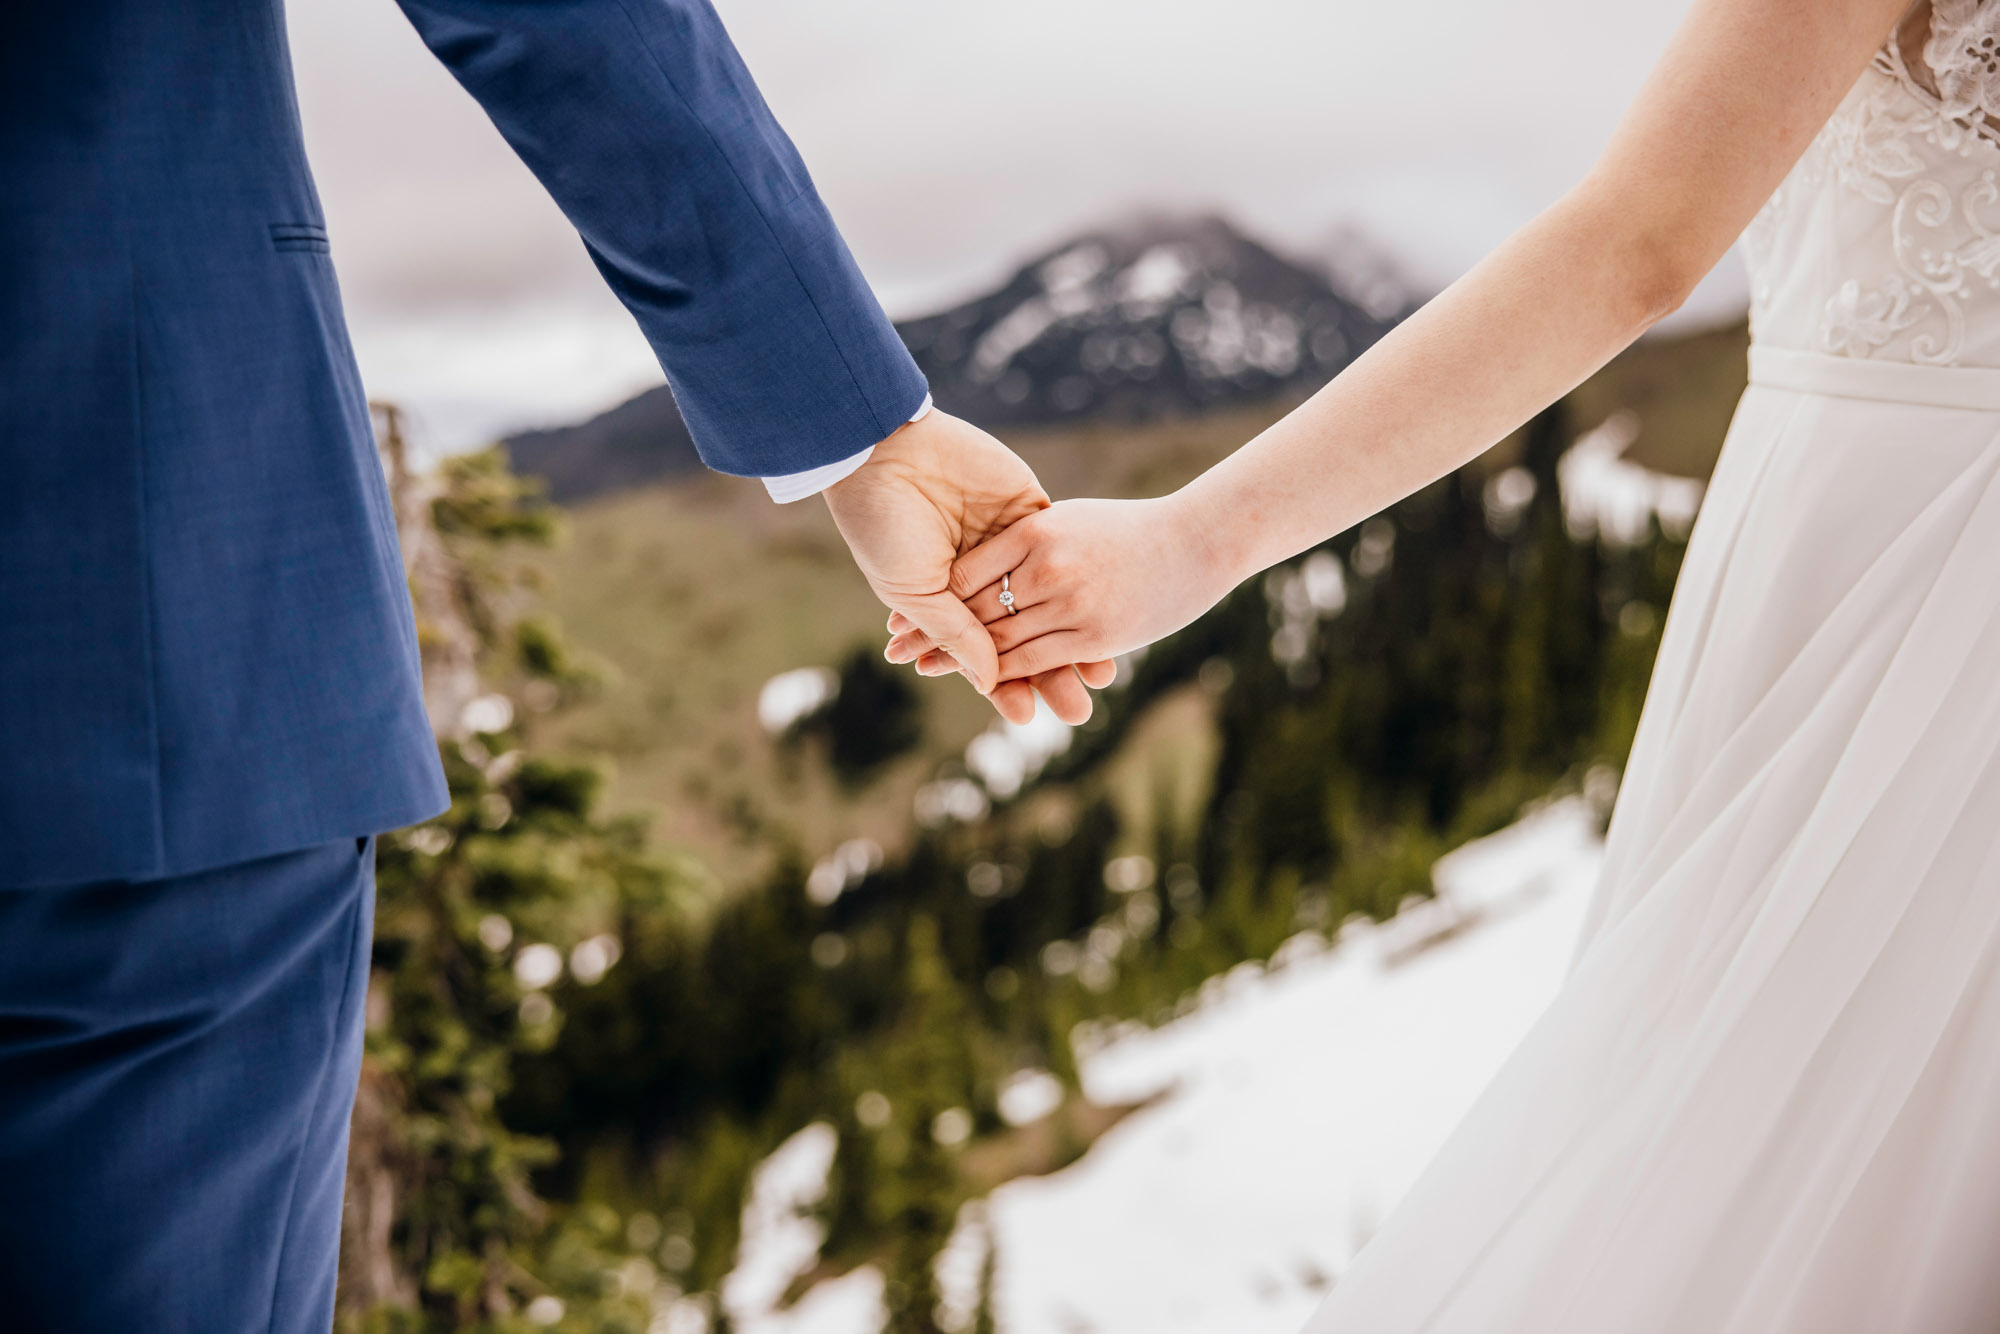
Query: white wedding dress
point(1767, 1098)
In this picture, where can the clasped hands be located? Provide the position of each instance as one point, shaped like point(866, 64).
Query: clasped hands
point(942, 510)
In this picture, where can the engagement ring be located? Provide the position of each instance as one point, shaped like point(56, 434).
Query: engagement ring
point(1007, 595)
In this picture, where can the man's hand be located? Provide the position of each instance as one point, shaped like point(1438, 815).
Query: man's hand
point(930, 493)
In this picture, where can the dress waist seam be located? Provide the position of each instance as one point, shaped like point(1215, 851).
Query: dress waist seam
point(1971, 388)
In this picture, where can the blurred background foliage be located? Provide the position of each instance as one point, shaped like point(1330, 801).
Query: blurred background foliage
point(652, 938)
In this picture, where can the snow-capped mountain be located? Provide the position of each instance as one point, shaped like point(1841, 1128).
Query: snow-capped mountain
point(1155, 318)
point(1158, 317)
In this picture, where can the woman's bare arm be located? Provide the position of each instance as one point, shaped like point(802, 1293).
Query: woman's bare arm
point(1736, 98)
point(1739, 93)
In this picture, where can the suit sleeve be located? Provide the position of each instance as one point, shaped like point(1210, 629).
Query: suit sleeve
point(641, 120)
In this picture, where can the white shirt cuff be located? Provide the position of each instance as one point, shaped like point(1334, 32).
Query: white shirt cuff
point(798, 485)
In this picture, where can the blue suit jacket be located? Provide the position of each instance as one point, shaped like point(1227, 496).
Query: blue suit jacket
point(206, 650)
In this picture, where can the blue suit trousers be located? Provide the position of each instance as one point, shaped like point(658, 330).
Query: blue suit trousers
point(178, 1060)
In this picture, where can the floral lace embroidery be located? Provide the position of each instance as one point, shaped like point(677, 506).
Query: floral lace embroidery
point(1963, 53)
point(1945, 235)
point(1911, 179)
point(1867, 147)
point(1944, 247)
point(1858, 321)
point(1965, 107)
point(1864, 147)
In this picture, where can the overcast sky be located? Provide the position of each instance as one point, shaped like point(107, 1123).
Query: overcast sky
point(953, 139)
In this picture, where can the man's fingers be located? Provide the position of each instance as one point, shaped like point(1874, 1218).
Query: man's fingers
point(915, 647)
point(952, 628)
point(917, 651)
point(908, 646)
point(1045, 654)
point(1062, 688)
point(1015, 701)
point(984, 565)
point(1098, 675)
point(1007, 631)
point(1067, 698)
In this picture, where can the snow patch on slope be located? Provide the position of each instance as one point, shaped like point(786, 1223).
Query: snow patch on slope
point(1300, 1102)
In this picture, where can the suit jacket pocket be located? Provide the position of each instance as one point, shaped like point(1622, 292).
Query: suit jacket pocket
point(307, 236)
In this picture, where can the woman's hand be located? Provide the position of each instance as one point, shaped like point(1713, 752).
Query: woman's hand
point(930, 493)
point(1090, 578)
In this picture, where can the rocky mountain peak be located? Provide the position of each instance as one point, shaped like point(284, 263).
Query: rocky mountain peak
point(1157, 316)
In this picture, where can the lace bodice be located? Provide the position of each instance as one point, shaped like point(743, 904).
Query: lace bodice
point(1884, 241)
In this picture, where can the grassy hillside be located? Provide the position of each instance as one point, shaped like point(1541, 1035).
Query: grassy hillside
point(693, 593)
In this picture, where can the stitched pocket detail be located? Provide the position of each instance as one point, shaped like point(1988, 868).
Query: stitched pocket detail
point(307, 236)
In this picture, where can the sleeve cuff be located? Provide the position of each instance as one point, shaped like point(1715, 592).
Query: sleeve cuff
point(799, 485)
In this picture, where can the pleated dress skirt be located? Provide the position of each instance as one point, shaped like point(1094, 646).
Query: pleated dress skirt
point(1766, 1099)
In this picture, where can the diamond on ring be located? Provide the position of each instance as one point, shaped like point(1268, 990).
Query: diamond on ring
point(1006, 595)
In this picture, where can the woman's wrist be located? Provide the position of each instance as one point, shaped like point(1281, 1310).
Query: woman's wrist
point(1221, 544)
